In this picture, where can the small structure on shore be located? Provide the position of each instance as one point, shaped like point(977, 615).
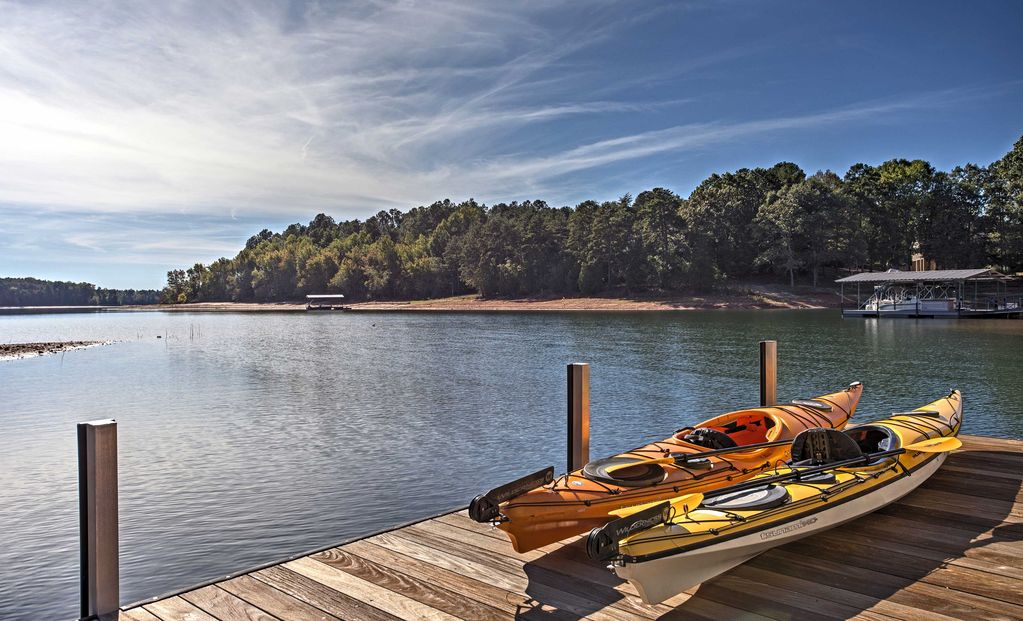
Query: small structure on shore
point(933, 293)
point(334, 301)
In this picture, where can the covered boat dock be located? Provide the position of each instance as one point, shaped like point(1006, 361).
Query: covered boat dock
point(334, 301)
point(931, 293)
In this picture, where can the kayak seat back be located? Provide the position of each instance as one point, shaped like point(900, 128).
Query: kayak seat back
point(823, 446)
point(709, 438)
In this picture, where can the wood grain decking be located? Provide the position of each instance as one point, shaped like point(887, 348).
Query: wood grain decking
point(951, 550)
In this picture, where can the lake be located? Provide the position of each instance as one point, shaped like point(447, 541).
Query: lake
point(245, 438)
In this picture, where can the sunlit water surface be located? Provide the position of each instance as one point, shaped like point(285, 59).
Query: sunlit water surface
point(246, 438)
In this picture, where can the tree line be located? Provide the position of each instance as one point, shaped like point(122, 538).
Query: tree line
point(742, 224)
point(36, 292)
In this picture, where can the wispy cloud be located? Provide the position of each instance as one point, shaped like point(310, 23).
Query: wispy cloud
point(280, 108)
point(699, 135)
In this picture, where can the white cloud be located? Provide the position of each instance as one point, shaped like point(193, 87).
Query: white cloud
point(274, 108)
point(285, 109)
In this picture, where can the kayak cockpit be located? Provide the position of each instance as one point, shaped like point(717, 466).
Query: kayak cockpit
point(816, 447)
point(738, 429)
point(874, 438)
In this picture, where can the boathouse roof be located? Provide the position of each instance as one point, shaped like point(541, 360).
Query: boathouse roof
point(922, 276)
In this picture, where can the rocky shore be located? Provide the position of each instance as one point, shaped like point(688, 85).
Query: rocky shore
point(10, 351)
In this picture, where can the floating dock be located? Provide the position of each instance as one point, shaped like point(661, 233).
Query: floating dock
point(953, 549)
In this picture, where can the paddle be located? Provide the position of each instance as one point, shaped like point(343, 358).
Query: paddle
point(602, 542)
point(933, 445)
point(681, 458)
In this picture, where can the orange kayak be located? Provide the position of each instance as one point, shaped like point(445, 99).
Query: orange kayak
point(539, 509)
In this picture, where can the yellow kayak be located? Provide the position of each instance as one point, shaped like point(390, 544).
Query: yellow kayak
point(834, 476)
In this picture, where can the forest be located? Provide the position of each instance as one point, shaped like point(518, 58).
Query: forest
point(773, 222)
point(36, 292)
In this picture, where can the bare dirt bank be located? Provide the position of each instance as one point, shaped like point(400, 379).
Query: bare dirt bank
point(754, 298)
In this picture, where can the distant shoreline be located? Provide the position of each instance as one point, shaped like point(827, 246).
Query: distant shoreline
point(756, 297)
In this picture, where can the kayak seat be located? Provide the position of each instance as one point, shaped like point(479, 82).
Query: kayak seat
point(821, 446)
point(873, 438)
point(710, 438)
point(757, 499)
point(747, 427)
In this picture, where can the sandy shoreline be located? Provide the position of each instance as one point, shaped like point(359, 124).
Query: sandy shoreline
point(473, 304)
point(15, 351)
point(750, 297)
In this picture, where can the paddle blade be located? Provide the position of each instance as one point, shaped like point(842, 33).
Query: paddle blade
point(682, 503)
point(639, 462)
point(935, 445)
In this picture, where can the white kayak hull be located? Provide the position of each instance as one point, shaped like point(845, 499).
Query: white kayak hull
point(657, 580)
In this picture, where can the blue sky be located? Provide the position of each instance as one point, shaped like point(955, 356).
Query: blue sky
point(141, 137)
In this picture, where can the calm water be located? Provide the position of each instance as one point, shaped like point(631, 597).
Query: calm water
point(249, 437)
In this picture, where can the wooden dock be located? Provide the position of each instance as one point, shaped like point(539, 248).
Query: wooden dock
point(953, 549)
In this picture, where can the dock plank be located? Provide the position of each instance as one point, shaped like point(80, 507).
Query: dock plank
point(537, 573)
point(953, 549)
point(508, 602)
point(137, 614)
point(321, 596)
point(178, 609)
point(365, 591)
point(225, 606)
point(488, 569)
point(423, 591)
point(277, 603)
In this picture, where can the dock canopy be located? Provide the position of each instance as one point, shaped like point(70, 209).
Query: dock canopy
point(325, 297)
point(922, 276)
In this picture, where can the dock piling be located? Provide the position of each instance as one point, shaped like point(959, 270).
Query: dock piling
point(768, 373)
point(97, 508)
point(578, 415)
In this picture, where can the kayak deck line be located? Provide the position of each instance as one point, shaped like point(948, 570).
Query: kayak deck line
point(952, 548)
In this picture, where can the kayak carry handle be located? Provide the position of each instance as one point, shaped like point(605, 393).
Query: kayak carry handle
point(602, 542)
point(487, 507)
